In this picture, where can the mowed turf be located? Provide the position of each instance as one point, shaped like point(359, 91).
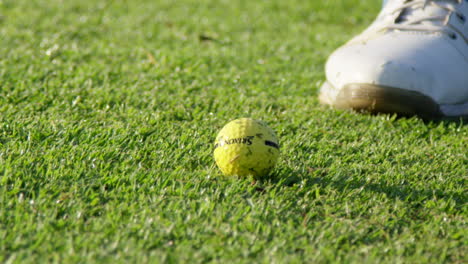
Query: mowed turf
point(109, 110)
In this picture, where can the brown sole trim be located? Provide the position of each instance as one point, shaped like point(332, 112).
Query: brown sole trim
point(383, 99)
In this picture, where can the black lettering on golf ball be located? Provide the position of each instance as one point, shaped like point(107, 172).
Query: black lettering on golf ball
point(271, 144)
point(243, 140)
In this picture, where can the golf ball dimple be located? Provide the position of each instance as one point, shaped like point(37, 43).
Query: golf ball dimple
point(246, 147)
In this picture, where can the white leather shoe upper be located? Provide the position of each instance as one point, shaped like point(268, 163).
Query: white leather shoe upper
point(420, 45)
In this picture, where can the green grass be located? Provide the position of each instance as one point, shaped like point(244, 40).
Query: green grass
point(109, 110)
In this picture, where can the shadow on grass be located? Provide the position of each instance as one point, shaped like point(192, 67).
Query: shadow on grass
point(427, 120)
point(289, 177)
point(401, 192)
point(447, 121)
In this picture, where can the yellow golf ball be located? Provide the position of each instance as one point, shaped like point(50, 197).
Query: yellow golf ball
point(246, 147)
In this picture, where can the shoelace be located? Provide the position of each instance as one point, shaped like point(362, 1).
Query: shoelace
point(429, 22)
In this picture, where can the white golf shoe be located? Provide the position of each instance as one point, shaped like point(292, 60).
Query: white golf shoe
point(413, 60)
